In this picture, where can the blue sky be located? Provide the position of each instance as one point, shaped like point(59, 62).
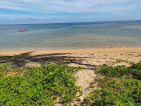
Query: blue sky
point(59, 11)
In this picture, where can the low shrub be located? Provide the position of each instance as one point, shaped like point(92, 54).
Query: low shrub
point(115, 91)
point(118, 71)
point(120, 86)
point(39, 86)
point(113, 71)
point(135, 70)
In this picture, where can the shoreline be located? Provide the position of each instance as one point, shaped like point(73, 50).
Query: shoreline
point(112, 50)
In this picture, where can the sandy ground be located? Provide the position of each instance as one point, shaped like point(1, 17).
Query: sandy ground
point(75, 51)
point(86, 58)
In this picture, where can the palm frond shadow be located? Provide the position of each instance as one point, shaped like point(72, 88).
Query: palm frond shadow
point(23, 58)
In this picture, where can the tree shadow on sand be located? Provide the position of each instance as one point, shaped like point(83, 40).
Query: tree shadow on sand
point(24, 58)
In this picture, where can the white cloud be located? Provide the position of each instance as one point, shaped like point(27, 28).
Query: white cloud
point(70, 6)
point(41, 9)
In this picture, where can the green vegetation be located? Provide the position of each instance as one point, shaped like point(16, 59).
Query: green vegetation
point(48, 84)
point(119, 86)
point(42, 85)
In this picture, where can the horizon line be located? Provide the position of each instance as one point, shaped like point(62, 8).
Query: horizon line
point(70, 22)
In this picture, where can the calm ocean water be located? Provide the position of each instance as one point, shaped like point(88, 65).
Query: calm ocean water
point(71, 35)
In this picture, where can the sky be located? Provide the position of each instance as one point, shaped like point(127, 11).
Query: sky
point(60, 11)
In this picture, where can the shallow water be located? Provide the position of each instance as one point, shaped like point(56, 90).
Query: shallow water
point(71, 35)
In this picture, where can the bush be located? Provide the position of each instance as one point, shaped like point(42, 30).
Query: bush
point(113, 91)
point(117, 87)
point(118, 71)
point(113, 71)
point(135, 70)
point(39, 86)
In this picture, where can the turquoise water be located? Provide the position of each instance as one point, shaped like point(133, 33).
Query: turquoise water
point(71, 35)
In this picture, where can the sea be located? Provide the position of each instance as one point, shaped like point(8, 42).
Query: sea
point(71, 35)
